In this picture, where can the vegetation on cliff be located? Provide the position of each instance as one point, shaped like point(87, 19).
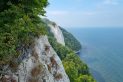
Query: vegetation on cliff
point(74, 67)
point(70, 40)
point(19, 23)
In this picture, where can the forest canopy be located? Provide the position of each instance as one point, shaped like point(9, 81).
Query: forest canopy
point(29, 6)
point(19, 23)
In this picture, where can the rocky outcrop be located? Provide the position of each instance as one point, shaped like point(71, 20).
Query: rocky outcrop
point(41, 64)
point(55, 29)
point(57, 33)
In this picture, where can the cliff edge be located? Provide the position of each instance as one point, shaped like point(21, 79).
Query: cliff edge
point(39, 63)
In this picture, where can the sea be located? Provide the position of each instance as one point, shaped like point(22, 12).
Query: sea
point(102, 51)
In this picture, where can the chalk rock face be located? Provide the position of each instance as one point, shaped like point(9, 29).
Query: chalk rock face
point(57, 33)
point(55, 29)
point(40, 64)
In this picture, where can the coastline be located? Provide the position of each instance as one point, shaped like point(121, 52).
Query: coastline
point(96, 75)
point(78, 52)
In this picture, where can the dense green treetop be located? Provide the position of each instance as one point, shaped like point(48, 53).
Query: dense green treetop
point(29, 6)
point(19, 24)
point(70, 40)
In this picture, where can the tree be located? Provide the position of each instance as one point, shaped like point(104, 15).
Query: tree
point(71, 70)
point(29, 6)
point(19, 23)
point(85, 78)
point(76, 70)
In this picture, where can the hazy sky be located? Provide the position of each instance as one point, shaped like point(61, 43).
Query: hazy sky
point(86, 13)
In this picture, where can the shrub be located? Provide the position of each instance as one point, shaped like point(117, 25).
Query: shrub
point(58, 76)
point(36, 71)
point(53, 61)
point(47, 48)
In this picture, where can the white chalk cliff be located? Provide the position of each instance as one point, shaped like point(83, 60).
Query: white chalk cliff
point(39, 63)
point(57, 33)
point(55, 29)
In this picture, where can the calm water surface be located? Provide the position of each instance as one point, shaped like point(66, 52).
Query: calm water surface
point(102, 51)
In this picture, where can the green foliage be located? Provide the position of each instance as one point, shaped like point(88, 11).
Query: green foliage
point(29, 6)
point(85, 78)
point(74, 67)
point(18, 26)
point(71, 41)
point(20, 23)
point(71, 70)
